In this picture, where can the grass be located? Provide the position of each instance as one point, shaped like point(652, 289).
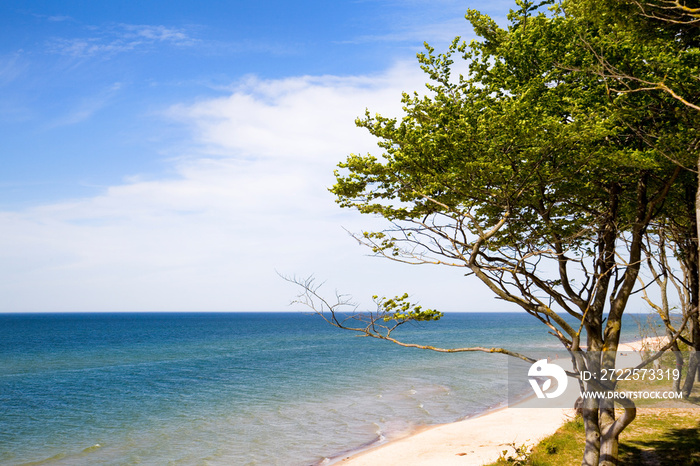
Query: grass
point(657, 437)
point(665, 433)
point(662, 437)
point(564, 447)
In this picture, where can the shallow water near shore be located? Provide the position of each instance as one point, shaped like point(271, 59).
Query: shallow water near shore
point(239, 388)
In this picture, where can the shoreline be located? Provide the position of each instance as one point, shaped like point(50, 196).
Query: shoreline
point(346, 456)
point(343, 457)
point(474, 441)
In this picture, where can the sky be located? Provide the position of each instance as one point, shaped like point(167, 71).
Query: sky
point(176, 155)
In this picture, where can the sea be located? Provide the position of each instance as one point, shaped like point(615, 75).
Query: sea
point(265, 388)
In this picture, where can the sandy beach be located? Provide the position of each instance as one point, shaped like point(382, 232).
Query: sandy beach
point(474, 441)
point(479, 440)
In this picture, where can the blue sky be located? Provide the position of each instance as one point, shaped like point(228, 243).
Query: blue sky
point(173, 155)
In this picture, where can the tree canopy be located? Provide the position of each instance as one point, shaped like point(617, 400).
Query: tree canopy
point(539, 159)
point(518, 160)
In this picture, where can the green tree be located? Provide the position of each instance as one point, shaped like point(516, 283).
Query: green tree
point(650, 50)
point(523, 169)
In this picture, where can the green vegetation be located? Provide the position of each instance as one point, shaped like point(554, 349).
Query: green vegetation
point(663, 384)
point(537, 157)
point(550, 159)
point(658, 437)
point(664, 433)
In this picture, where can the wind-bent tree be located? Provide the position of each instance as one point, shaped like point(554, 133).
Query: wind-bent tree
point(527, 175)
point(652, 48)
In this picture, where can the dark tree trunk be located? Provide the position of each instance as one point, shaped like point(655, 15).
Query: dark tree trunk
point(692, 370)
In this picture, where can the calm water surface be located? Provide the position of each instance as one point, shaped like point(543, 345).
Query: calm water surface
point(243, 388)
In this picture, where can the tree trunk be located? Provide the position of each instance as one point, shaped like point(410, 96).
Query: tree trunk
point(690, 377)
point(695, 297)
point(693, 362)
point(608, 439)
point(679, 365)
point(697, 232)
point(610, 434)
point(591, 450)
point(608, 451)
point(696, 290)
point(696, 352)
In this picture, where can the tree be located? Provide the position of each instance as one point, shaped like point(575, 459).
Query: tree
point(670, 11)
point(661, 62)
point(659, 39)
point(527, 175)
point(665, 276)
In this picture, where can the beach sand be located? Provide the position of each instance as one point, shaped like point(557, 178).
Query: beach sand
point(647, 344)
point(474, 441)
point(478, 440)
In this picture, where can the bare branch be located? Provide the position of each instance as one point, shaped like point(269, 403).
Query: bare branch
point(373, 323)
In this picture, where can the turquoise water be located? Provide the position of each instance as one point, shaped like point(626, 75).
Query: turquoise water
point(239, 388)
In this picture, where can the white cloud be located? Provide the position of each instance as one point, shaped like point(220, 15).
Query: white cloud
point(91, 46)
point(120, 38)
point(249, 198)
point(157, 33)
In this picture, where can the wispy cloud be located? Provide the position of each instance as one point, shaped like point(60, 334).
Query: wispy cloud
point(90, 46)
point(438, 32)
point(87, 107)
point(157, 34)
point(12, 67)
point(433, 21)
point(120, 38)
point(59, 18)
point(248, 197)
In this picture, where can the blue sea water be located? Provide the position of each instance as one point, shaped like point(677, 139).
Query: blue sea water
point(238, 388)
